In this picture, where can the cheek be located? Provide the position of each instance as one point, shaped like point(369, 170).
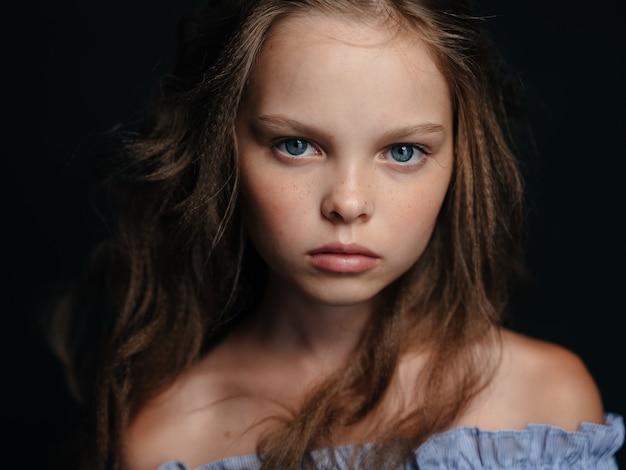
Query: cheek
point(413, 227)
point(272, 212)
point(415, 215)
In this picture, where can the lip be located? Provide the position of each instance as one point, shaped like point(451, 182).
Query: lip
point(344, 259)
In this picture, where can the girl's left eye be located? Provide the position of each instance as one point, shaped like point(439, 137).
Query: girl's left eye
point(405, 153)
point(294, 147)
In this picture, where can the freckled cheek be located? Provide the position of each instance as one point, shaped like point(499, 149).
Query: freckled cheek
point(414, 220)
point(415, 213)
point(272, 209)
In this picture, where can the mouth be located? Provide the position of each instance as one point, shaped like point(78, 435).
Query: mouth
point(343, 259)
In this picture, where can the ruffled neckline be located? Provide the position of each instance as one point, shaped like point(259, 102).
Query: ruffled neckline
point(537, 446)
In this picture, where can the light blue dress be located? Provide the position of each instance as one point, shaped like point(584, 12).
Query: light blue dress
point(539, 446)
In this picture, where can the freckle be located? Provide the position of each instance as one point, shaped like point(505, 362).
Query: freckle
point(227, 434)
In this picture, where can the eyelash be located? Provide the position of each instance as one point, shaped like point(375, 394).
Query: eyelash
point(280, 147)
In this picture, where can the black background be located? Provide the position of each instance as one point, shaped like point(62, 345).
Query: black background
point(72, 70)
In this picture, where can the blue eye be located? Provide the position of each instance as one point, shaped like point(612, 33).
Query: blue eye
point(406, 153)
point(296, 147)
point(401, 153)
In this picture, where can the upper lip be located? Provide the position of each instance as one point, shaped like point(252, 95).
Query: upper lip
point(340, 248)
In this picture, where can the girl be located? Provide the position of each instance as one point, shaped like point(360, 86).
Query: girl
point(319, 230)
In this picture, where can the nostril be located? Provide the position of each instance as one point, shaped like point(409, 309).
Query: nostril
point(336, 216)
point(347, 215)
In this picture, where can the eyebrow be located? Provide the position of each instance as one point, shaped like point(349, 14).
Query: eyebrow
point(279, 122)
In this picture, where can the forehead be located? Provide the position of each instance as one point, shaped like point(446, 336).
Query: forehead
point(309, 61)
point(384, 35)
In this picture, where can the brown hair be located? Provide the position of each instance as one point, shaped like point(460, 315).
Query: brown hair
point(178, 265)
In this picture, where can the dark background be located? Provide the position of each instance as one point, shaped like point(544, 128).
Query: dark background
point(71, 70)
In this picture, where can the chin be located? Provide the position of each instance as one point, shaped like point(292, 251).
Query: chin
point(342, 297)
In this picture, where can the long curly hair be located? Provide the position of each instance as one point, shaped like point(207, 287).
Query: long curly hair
point(178, 273)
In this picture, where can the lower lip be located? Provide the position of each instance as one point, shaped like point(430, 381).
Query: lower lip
point(343, 262)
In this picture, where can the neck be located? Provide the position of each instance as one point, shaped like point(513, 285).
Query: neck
point(288, 322)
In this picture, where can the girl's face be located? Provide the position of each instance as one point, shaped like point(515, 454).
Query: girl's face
point(345, 148)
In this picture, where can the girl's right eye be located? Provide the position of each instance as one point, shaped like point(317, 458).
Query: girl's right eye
point(294, 147)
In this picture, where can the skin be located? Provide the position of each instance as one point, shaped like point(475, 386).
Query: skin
point(344, 187)
point(353, 91)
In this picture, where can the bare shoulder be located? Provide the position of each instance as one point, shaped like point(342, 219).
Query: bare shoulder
point(546, 383)
point(195, 420)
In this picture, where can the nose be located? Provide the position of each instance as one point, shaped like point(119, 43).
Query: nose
point(348, 197)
